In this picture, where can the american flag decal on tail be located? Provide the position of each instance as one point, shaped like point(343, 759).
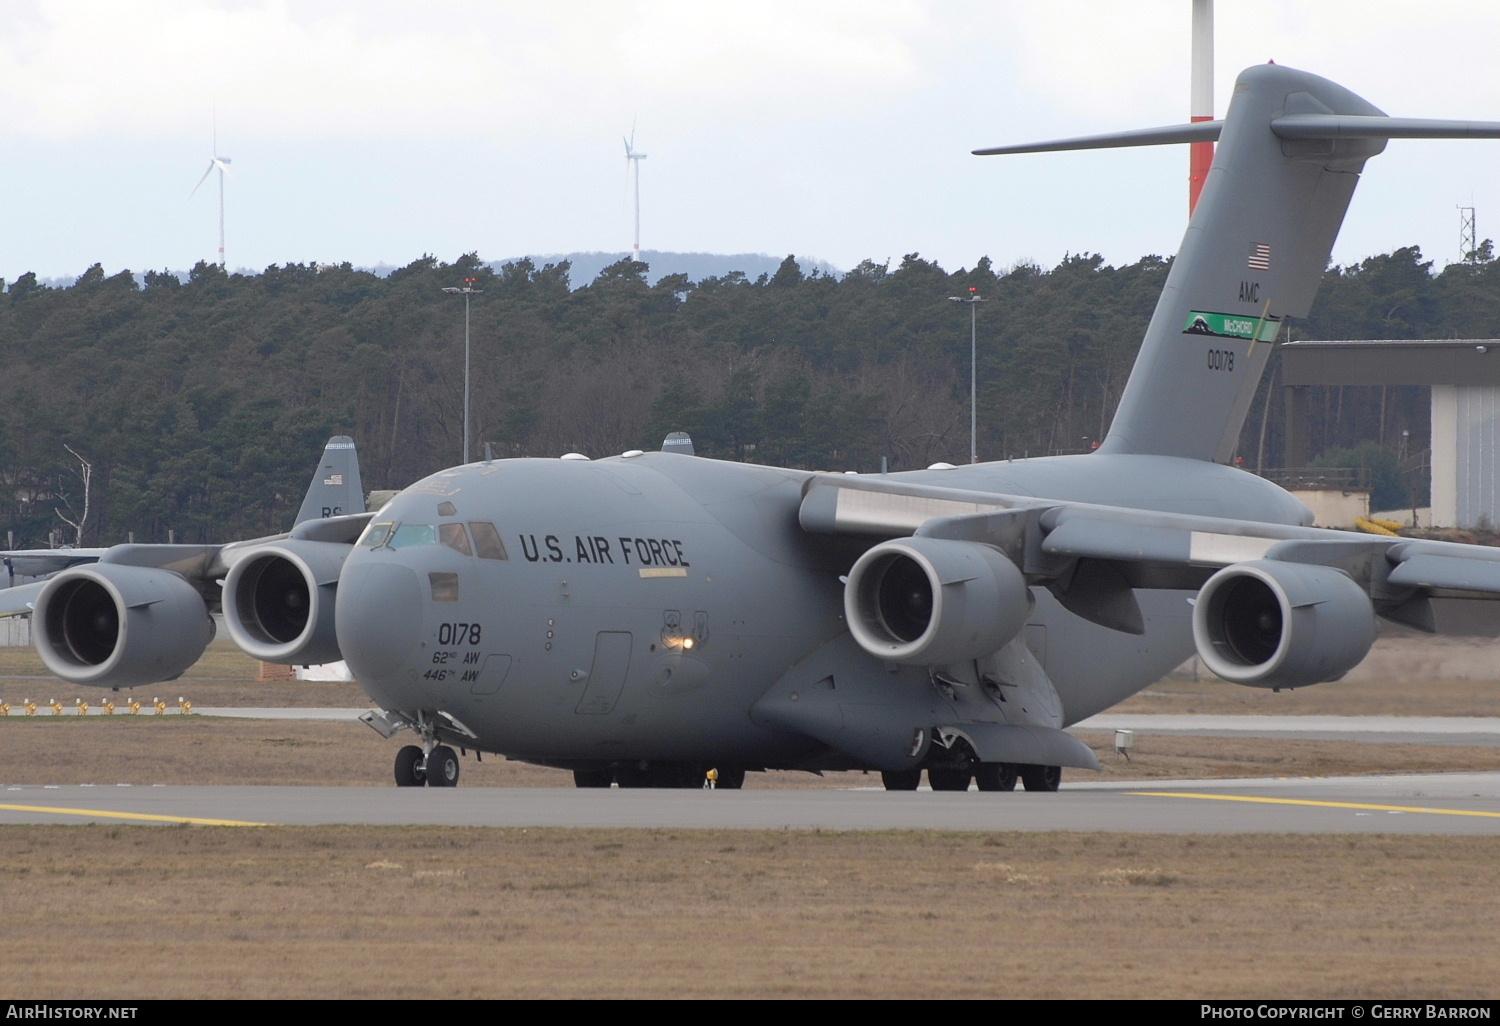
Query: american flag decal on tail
point(1260, 256)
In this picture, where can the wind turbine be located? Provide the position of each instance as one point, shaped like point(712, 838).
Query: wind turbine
point(632, 158)
point(222, 163)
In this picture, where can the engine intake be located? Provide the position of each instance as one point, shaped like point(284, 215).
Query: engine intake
point(930, 601)
point(279, 602)
point(119, 626)
point(1268, 624)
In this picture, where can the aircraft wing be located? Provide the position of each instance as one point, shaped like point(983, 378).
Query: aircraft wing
point(203, 566)
point(40, 562)
point(1091, 556)
point(18, 601)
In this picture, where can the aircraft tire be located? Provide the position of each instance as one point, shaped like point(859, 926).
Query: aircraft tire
point(409, 767)
point(592, 778)
point(946, 778)
point(901, 780)
point(442, 767)
point(995, 776)
point(1041, 778)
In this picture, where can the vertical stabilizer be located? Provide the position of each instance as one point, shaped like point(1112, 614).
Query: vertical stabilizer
point(336, 488)
point(1291, 149)
point(1254, 253)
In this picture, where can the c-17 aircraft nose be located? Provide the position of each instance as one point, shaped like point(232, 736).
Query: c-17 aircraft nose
point(379, 620)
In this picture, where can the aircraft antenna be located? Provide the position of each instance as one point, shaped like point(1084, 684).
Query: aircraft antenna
point(633, 161)
point(1201, 100)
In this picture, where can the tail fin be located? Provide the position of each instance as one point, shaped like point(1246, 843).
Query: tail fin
point(1291, 150)
point(336, 488)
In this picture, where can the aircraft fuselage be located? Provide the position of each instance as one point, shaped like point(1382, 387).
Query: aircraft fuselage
point(638, 608)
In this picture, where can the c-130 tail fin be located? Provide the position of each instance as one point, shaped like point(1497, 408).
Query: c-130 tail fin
point(1291, 150)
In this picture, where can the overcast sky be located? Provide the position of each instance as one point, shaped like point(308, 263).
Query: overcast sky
point(376, 131)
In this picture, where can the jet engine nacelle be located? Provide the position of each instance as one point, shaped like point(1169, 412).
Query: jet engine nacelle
point(279, 601)
point(931, 601)
point(119, 626)
point(1268, 624)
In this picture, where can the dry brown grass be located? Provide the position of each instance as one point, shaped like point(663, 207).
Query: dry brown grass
point(1211, 696)
point(144, 912)
point(224, 676)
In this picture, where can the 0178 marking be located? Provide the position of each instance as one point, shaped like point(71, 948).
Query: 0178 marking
point(458, 634)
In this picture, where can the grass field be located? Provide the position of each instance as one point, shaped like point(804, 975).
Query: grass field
point(1210, 696)
point(196, 912)
point(191, 912)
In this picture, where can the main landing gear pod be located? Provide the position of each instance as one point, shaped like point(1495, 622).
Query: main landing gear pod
point(930, 601)
point(279, 602)
point(120, 626)
point(1268, 624)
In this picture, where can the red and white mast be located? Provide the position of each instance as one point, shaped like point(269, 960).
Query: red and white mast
point(1201, 102)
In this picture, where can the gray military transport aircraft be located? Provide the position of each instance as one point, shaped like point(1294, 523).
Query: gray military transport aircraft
point(644, 618)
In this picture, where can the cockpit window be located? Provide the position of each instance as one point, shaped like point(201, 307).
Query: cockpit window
point(454, 536)
point(487, 540)
point(408, 535)
point(376, 534)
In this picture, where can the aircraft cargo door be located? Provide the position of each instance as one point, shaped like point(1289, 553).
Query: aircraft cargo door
point(607, 675)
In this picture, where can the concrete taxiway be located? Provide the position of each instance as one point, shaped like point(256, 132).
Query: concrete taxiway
point(1458, 803)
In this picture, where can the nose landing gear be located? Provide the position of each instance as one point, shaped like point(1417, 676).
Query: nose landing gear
point(430, 763)
point(437, 768)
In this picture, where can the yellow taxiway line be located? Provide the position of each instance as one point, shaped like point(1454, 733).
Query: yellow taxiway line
point(1322, 805)
point(131, 815)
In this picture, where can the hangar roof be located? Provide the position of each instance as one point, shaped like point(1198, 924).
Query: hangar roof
point(1392, 361)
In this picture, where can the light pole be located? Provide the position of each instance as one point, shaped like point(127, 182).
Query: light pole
point(466, 291)
point(973, 299)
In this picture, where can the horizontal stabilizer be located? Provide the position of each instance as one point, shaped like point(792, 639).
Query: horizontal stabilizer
point(1359, 126)
point(1197, 131)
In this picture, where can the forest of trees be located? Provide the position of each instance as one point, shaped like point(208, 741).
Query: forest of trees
point(201, 405)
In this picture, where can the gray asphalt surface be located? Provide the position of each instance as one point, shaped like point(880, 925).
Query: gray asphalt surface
point(1458, 803)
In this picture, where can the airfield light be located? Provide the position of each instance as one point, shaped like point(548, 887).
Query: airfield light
point(466, 291)
point(972, 298)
